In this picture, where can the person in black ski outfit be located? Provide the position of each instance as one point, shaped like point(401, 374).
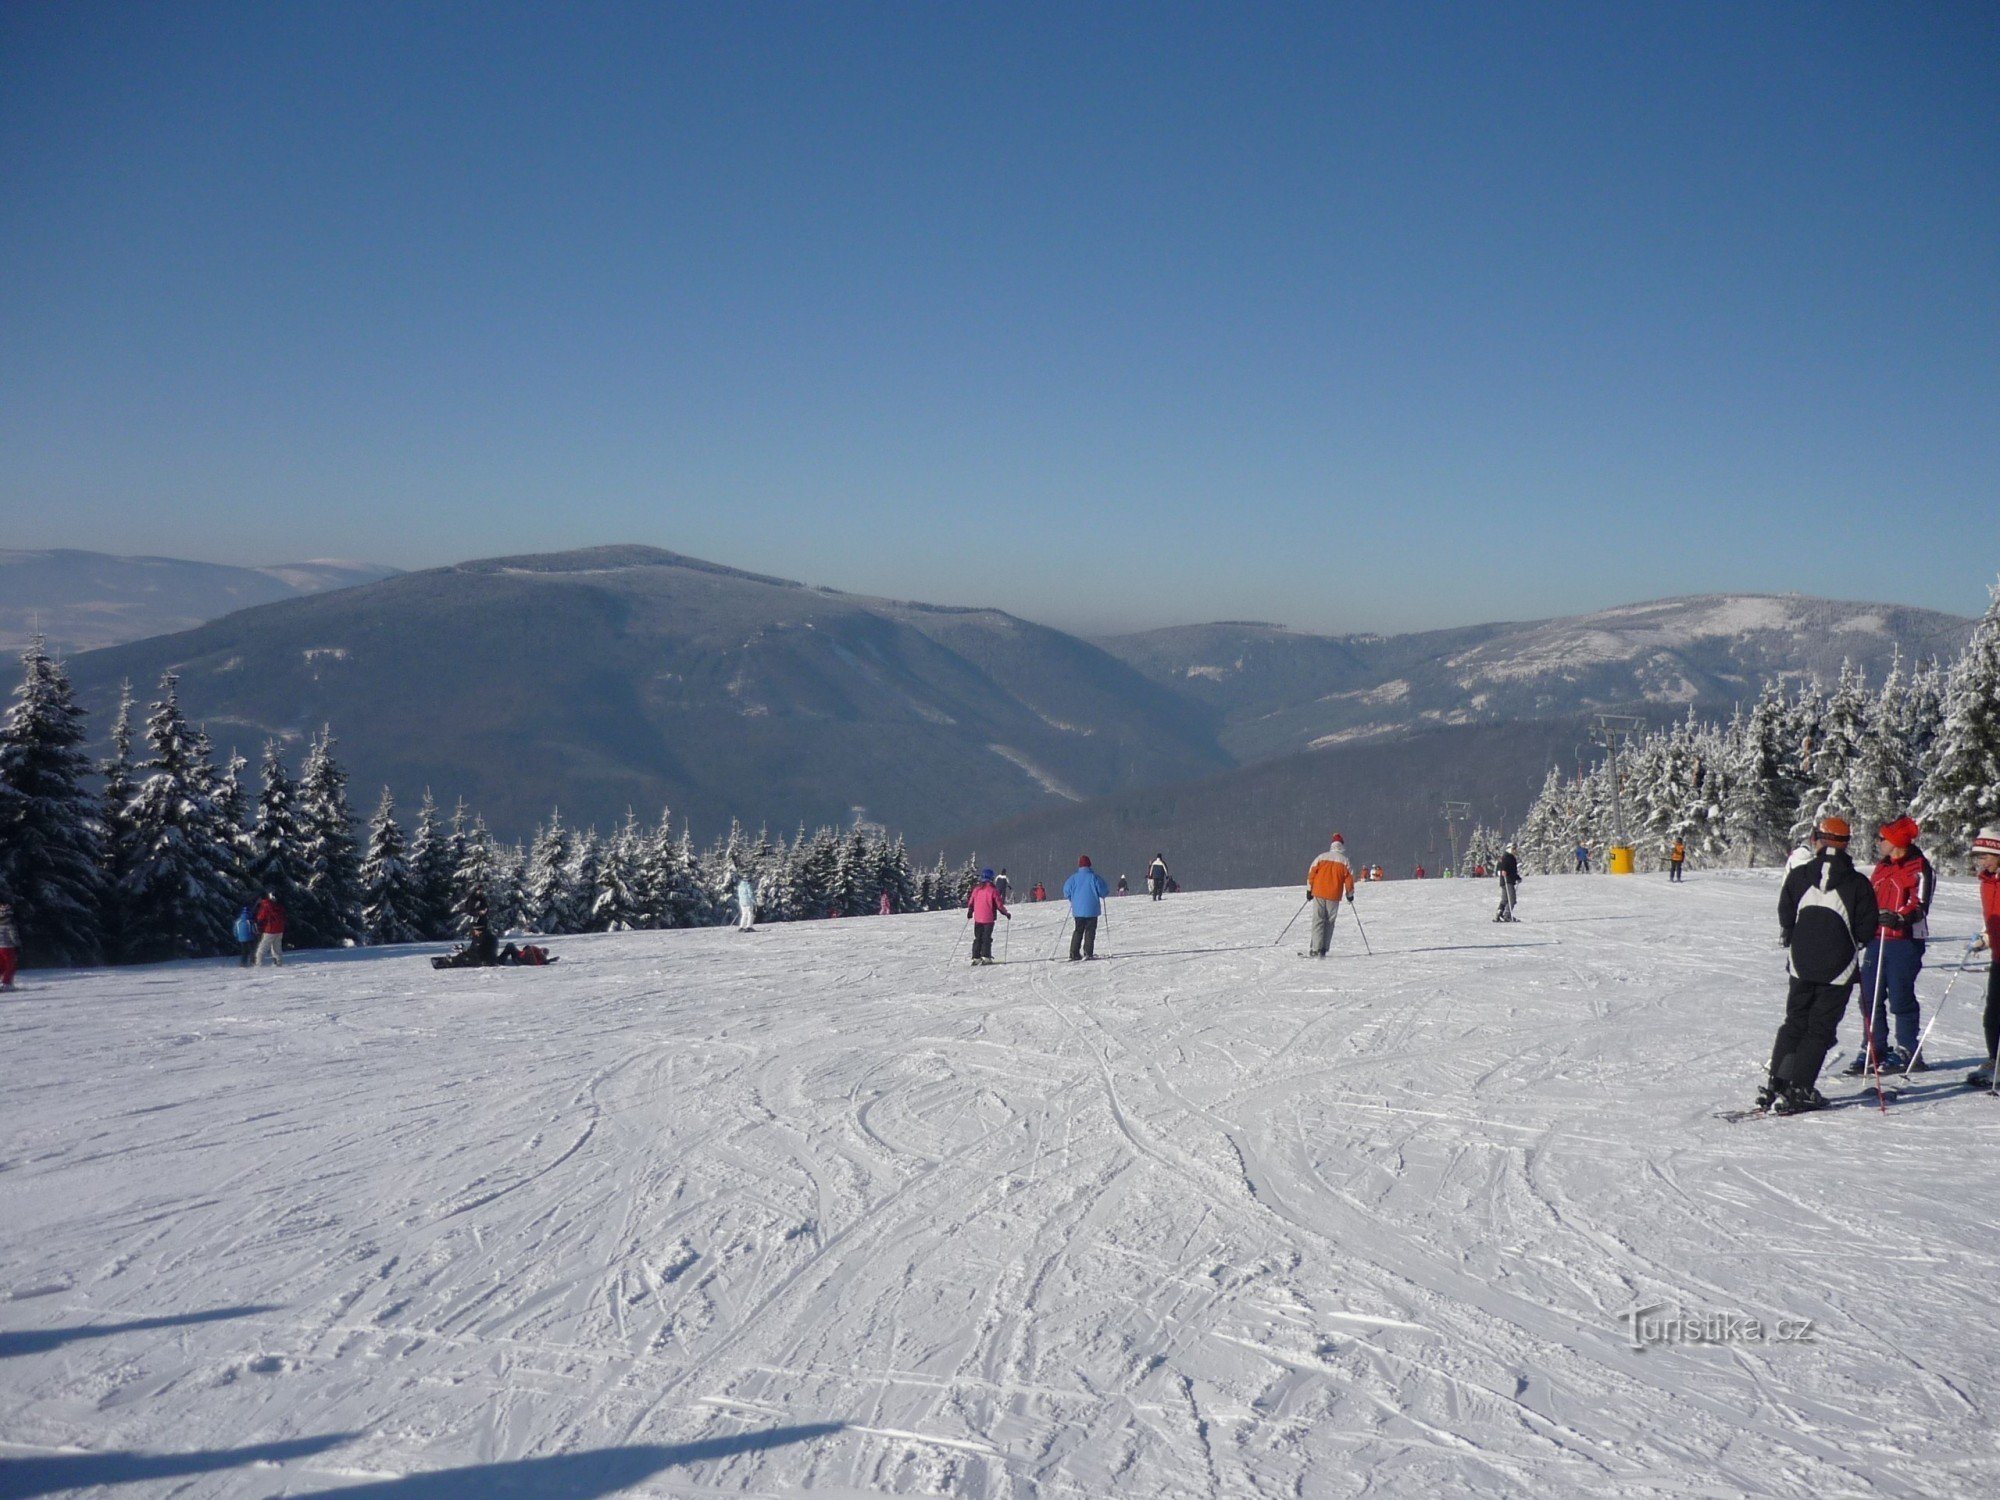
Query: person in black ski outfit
point(1509, 871)
point(1826, 916)
point(1156, 876)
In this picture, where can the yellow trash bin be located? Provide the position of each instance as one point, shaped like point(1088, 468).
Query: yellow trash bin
point(1621, 860)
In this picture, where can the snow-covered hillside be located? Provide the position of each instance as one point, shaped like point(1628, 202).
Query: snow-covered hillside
point(824, 1209)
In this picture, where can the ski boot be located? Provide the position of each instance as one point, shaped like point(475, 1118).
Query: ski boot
point(1798, 1099)
point(1768, 1094)
point(1895, 1060)
point(1982, 1079)
point(1859, 1066)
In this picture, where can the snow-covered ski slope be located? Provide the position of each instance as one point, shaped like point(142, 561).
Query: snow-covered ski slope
point(823, 1209)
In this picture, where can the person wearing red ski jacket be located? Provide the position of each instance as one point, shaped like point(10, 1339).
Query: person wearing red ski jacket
point(1904, 885)
point(270, 920)
point(1986, 863)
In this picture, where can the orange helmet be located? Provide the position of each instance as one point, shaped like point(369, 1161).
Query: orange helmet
point(1833, 830)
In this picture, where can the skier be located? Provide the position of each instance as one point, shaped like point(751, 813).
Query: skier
point(1675, 860)
point(1583, 859)
point(1085, 891)
point(10, 946)
point(1002, 884)
point(1510, 880)
point(1123, 888)
point(1986, 862)
point(245, 932)
point(270, 919)
point(1904, 884)
point(981, 906)
point(1328, 878)
point(1039, 893)
point(1420, 872)
point(1156, 876)
point(1827, 918)
point(746, 904)
point(886, 908)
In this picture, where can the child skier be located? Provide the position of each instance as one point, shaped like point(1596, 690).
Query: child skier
point(246, 935)
point(981, 907)
point(1904, 885)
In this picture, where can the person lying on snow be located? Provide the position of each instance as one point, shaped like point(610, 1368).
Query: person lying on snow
point(481, 951)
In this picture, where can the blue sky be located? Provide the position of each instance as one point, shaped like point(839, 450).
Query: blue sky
point(1367, 317)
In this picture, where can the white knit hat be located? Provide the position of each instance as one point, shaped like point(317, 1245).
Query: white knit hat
point(1987, 840)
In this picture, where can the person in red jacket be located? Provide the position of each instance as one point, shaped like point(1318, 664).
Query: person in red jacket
point(270, 919)
point(1904, 885)
point(1986, 863)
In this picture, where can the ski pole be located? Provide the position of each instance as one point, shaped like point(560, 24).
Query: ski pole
point(1288, 926)
point(1003, 939)
point(1937, 1010)
point(1874, 1061)
point(1367, 947)
point(952, 958)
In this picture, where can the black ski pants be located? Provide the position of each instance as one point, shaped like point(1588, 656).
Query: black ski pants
point(1082, 938)
point(982, 940)
point(1812, 1016)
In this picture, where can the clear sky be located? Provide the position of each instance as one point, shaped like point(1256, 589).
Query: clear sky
point(1367, 317)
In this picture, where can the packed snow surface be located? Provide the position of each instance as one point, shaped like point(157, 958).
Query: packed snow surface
point(824, 1209)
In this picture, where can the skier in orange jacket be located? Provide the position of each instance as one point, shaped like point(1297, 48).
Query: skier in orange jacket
point(1329, 878)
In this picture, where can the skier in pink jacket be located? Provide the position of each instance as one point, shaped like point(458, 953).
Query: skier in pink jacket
point(982, 906)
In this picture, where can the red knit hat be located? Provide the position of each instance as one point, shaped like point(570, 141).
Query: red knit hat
point(1987, 840)
point(1083, 861)
point(1902, 833)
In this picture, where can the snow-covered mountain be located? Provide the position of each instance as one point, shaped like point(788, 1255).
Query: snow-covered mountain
point(631, 677)
point(1277, 690)
point(83, 600)
point(821, 1210)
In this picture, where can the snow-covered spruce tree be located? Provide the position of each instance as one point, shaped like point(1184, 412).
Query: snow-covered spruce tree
point(51, 843)
point(966, 877)
point(853, 868)
point(1961, 791)
point(767, 870)
point(1836, 750)
point(618, 898)
point(816, 867)
point(238, 818)
point(432, 860)
point(391, 909)
point(1536, 838)
point(118, 843)
point(277, 864)
point(475, 879)
point(1884, 778)
point(329, 910)
point(1761, 797)
point(892, 874)
point(548, 905)
point(585, 860)
point(175, 898)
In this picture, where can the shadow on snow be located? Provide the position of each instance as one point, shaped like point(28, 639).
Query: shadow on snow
point(39, 1340)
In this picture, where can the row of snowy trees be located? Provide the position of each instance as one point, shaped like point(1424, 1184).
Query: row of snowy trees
point(1747, 791)
point(158, 859)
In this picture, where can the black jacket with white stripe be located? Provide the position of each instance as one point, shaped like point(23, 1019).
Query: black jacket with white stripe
point(1827, 915)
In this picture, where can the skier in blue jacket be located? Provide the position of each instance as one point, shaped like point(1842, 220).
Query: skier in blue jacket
point(1085, 891)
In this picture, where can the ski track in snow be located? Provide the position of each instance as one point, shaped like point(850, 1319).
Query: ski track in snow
point(1199, 1219)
